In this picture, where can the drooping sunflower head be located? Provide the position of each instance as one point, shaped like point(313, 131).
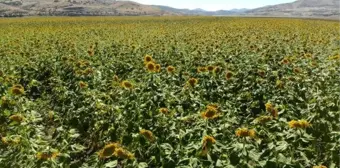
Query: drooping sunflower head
point(294, 124)
point(320, 166)
point(208, 140)
point(16, 117)
point(269, 106)
point(263, 119)
point(147, 59)
point(151, 66)
point(47, 155)
point(217, 69)
point(242, 132)
point(157, 67)
point(252, 133)
point(164, 110)
point(17, 90)
point(108, 150)
point(274, 112)
point(147, 134)
point(304, 124)
point(123, 154)
point(170, 69)
point(127, 85)
point(192, 82)
point(82, 84)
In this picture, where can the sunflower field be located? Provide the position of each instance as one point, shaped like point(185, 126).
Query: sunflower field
point(187, 92)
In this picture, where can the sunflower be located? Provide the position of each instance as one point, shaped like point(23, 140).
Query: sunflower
point(116, 78)
point(170, 69)
point(47, 155)
point(297, 70)
point(4, 140)
point(147, 134)
point(242, 132)
point(285, 61)
point(217, 70)
point(245, 132)
point(82, 84)
point(17, 118)
point(210, 68)
point(229, 75)
point(192, 82)
point(279, 83)
point(321, 166)
point(304, 124)
point(17, 90)
point(164, 110)
point(201, 69)
point(208, 140)
point(261, 73)
point(274, 112)
point(151, 66)
point(210, 113)
point(108, 150)
point(157, 67)
point(252, 133)
point(123, 154)
point(263, 119)
point(294, 124)
point(147, 59)
point(127, 85)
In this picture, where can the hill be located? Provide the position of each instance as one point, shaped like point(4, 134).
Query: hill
point(300, 8)
point(76, 8)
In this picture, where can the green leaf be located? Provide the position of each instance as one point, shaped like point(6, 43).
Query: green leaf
point(111, 164)
point(142, 165)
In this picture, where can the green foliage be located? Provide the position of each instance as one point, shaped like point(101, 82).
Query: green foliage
point(74, 103)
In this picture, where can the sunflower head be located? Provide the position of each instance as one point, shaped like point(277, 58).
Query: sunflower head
point(242, 132)
point(4, 140)
point(261, 73)
point(274, 112)
point(151, 66)
point(127, 85)
point(192, 82)
point(229, 75)
point(294, 124)
point(209, 113)
point(17, 90)
point(269, 106)
point(147, 59)
point(297, 70)
point(17, 118)
point(170, 69)
point(285, 61)
point(263, 119)
point(201, 69)
point(304, 124)
point(157, 67)
point(210, 68)
point(217, 69)
point(208, 140)
point(82, 84)
point(164, 110)
point(147, 134)
point(320, 166)
point(123, 154)
point(252, 133)
point(108, 150)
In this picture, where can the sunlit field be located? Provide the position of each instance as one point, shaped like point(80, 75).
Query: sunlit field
point(169, 92)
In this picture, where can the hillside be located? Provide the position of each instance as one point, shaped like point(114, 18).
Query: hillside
point(76, 7)
point(301, 8)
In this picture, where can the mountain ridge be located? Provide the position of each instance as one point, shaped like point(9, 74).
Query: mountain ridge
point(299, 8)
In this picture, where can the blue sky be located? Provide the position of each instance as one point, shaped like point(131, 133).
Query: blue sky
point(213, 4)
